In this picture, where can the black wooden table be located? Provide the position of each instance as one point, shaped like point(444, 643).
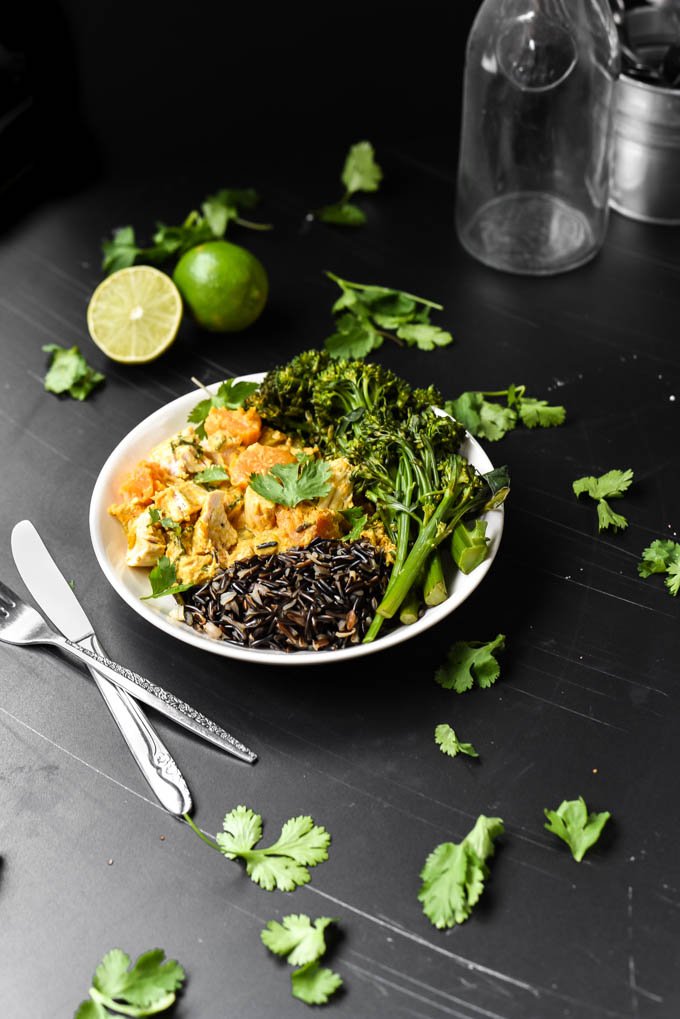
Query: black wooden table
point(586, 704)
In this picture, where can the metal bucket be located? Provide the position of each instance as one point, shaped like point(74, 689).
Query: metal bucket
point(646, 140)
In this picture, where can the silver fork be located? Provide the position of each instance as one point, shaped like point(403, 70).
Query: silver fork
point(23, 625)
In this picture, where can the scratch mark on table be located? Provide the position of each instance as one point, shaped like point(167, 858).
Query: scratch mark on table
point(410, 993)
point(562, 707)
point(399, 974)
point(635, 989)
point(594, 668)
point(43, 442)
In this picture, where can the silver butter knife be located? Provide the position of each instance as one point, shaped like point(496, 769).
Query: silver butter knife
point(41, 576)
point(84, 645)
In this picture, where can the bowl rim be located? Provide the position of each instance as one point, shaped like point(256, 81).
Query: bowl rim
point(121, 458)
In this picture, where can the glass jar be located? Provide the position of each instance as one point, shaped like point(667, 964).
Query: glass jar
point(535, 148)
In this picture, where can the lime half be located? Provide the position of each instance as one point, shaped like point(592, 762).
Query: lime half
point(134, 314)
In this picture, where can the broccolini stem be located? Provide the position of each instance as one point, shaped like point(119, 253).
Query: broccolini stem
point(410, 609)
point(435, 590)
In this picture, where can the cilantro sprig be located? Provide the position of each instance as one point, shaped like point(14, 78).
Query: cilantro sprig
point(208, 224)
point(163, 580)
point(572, 823)
point(487, 418)
point(360, 173)
point(69, 372)
point(302, 943)
point(290, 484)
point(285, 864)
point(662, 556)
point(611, 485)
point(147, 987)
point(448, 742)
point(230, 395)
point(469, 663)
point(366, 315)
point(454, 874)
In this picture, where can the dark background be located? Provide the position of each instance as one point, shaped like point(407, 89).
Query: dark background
point(138, 111)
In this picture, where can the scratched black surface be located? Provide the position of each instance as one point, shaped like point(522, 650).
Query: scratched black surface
point(587, 703)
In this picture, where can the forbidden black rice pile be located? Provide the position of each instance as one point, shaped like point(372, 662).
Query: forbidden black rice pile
point(320, 597)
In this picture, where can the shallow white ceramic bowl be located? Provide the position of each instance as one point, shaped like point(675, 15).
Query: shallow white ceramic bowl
point(108, 540)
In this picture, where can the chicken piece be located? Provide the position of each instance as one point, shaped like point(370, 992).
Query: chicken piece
point(213, 533)
point(146, 543)
point(301, 524)
point(239, 426)
point(259, 514)
point(195, 569)
point(257, 459)
point(127, 512)
point(180, 501)
point(341, 495)
point(181, 456)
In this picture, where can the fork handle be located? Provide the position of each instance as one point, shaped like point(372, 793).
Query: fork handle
point(156, 697)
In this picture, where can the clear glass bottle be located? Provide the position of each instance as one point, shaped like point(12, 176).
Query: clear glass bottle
point(535, 147)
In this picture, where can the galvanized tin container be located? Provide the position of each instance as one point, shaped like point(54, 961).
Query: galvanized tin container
point(646, 140)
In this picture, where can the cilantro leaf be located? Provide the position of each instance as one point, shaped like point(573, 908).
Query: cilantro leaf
point(361, 172)
point(658, 556)
point(211, 476)
point(290, 484)
point(69, 372)
point(163, 580)
point(121, 251)
point(342, 214)
point(469, 662)
point(454, 874)
point(572, 823)
point(147, 987)
point(357, 520)
point(448, 742)
point(283, 865)
point(296, 937)
point(538, 413)
point(167, 523)
point(314, 984)
point(367, 314)
point(662, 556)
point(488, 419)
point(230, 395)
point(611, 485)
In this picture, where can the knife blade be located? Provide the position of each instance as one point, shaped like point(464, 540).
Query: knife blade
point(138, 687)
point(51, 591)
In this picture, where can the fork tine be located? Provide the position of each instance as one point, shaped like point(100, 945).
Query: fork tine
point(8, 596)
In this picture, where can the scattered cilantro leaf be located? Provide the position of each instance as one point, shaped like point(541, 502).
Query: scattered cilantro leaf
point(297, 938)
point(217, 211)
point(147, 987)
point(230, 395)
point(488, 419)
point(366, 315)
point(454, 874)
point(662, 556)
point(357, 520)
point(359, 173)
point(470, 662)
point(572, 823)
point(283, 865)
point(314, 984)
point(290, 484)
point(163, 580)
point(211, 476)
point(611, 485)
point(448, 742)
point(69, 372)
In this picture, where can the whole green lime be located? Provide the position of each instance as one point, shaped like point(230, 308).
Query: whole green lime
point(224, 286)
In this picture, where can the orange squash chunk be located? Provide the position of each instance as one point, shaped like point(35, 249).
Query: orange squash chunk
point(257, 459)
point(243, 426)
point(145, 480)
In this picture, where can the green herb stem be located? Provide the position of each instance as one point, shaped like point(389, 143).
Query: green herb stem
point(346, 284)
point(204, 838)
point(132, 1010)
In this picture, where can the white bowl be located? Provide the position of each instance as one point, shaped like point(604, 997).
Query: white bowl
point(110, 545)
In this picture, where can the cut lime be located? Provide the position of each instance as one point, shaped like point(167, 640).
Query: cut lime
point(134, 314)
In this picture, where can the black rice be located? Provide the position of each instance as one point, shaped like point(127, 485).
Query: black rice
point(322, 596)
